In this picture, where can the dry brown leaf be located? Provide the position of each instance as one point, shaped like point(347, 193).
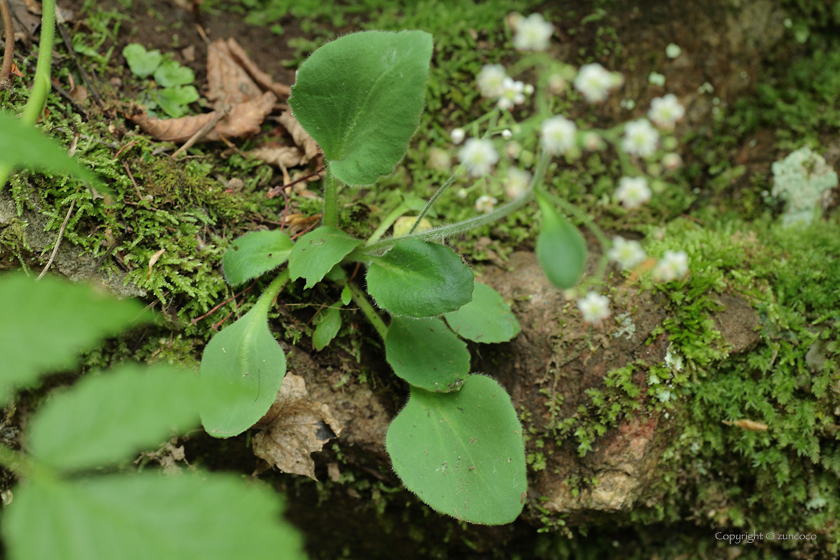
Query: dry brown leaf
point(171, 130)
point(300, 136)
point(297, 427)
point(279, 155)
point(244, 119)
point(748, 425)
point(154, 259)
point(24, 20)
point(263, 79)
point(227, 81)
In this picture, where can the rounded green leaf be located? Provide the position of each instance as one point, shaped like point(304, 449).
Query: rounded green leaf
point(24, 146)
point(462, 452)
point(137, 517)
point(427, 354)
point(360, 97)
point(105, 419)
point(328, 325)
point(246, 357)
point(170, 74)
point(255, 253)
point(44, 325)
point(561, 249)
point(141, 62)
point(317, 252)
point(487, 318)
point(420, 279)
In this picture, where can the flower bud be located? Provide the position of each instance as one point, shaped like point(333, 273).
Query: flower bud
point(457, 135)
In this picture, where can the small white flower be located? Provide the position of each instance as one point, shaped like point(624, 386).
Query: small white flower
point(592, 141)
point(673, 51)
point(674, 265)
point(490, 80)
point(478, 156)
point(626, 253)
point(457, 135)
point(556, 84)
point(513, 149)
point(665, 111)
point(671, 161)
point(640, 138)
point(532, 33)
point(485, 204)
point(594, 82)
point(595, 308)
point(516, 183)
point(511, 94)
point(439, 159)
point(656, 79)
point(507, 134)
point(529, 89)
point(558, 135)
point(632, 192)
point(462, 193)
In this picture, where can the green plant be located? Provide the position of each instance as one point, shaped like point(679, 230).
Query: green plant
point(174, 92)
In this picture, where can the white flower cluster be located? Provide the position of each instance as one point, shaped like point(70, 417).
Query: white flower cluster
point(594, 308)
point(494, 83)
point(478, 156)
point(558, 135)
point(640, 138)
point(595, 82)
point(626, 253)
point(516, 183)
point(532, 33)
point(673, 265)
point(485, 204)
point(665, 111)
point(632, 192)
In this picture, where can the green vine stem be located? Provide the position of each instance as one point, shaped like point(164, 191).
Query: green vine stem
point(376, 249)
point(273, 289)
point(41, 81)
point(371, 314)
point(330, 199)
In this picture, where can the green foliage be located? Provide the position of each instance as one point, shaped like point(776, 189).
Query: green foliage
point(487, 318)
point(255, 253)
point(78, 318)
point(175, 91)
point(561, 249)
point(462, 452)
point(246, 358)
point(23, 146)
point(142, 63)
point(420, 279)
point(426, 354)
point(365, 131)
point(317, 252)
point(328, 325)
point(106, 419)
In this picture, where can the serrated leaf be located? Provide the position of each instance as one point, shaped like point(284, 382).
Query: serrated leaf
point(173, 100)
point(364, 114)
point(45, 325)
point(170, 74)
point(137, 517)
point(487, 318)
point(561, 249)
point(426, 354)
point(462, 452)
point(25, 147)
point(328, 326)
point(317, 252)
point(255, 253)
point(420, 279)
point(247, 358)
point(141, 62)
point(346, 295)
point(105, 419)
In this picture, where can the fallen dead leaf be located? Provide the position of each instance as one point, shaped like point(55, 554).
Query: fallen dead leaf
point(154, 259)
point(277, 154)
point(748, 425)
point(297, 426)
point(263, 79)
point(171, 130)
point(300, 136)
point(227, 81)
point(333, 472)
point(244, 119)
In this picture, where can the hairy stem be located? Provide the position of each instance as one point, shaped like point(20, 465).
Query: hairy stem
point(436, 196)
point(388, 222)
point(371, 314)
point(330, 199)
point(273, 289)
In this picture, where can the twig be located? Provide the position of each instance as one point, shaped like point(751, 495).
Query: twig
point(69, 44)
point(133, 182)
point(202, 132)
point(9, 51)
point(197, 319)
point(306, 230)
point(285, 208)
point(276, 190)
point(110, 249)
point(57, 239)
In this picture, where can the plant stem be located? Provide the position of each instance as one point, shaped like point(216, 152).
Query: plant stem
point(436, 196)
point(371, 314)
point(41, 81)
point(15, 461)
point(330, 199)
point(9, 52)
point(454, 229)
point(388, 222)
point(273, 289)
